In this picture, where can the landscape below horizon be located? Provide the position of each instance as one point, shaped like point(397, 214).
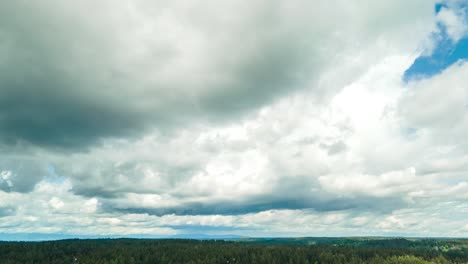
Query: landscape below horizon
point(242, 251)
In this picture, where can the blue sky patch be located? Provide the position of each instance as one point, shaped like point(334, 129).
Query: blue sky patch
point(445, 53)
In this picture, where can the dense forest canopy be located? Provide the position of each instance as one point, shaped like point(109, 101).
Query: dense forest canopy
point(290, 250)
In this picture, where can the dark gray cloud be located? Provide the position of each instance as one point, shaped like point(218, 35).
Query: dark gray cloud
point(6, 211)
point(51, 92)
point(288, 193)
point(269, 202)
point(20, 174)
point(115, 180)
point(66, 82)
point(58, 121)
point(334, 148)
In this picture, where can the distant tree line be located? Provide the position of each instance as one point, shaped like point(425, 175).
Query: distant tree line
point(129, 251)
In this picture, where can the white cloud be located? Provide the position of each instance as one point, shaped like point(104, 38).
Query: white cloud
point(315, 132)
point(454, 20)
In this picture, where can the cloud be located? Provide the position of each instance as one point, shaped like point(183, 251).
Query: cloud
point(447, 43)
point(272, 118)
point(454, 19)
point(75, 73)
point(265, 162)
point(5, 211)
point(21, 174)
point(447, 109)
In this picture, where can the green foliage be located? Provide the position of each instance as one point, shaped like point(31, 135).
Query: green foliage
point(302, 251)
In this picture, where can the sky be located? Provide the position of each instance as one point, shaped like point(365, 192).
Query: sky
point(253, 118)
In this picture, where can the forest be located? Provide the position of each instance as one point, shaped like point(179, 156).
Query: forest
point(247, 250)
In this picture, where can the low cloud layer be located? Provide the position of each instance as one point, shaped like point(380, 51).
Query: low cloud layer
point(267, 118)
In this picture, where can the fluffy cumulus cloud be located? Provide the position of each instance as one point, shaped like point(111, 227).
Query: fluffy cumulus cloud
point(227, 117)
point(453, 17)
